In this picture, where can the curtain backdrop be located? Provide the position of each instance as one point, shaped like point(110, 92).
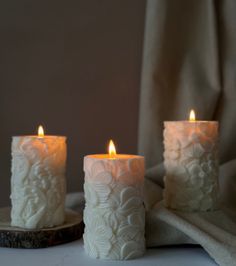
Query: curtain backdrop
point(189, 61)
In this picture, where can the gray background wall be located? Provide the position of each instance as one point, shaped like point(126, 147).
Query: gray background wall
point(73, 66)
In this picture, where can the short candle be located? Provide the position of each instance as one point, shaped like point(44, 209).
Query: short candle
point(191, 163)
point(114, 214)
point(38, 183)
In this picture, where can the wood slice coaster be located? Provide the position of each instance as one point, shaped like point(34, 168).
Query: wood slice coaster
point(15, 237)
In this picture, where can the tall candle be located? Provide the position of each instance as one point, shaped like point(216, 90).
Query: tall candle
point(114, 214)
point(38, 184)
point(191, 163)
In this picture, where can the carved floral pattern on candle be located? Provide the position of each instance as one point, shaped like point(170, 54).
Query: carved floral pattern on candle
point(38, 181)
point(191, 162)
point(114, 215)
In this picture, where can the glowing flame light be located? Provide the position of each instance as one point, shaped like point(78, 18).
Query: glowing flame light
point(40, 131)
point(112, 149)
point(192, 116)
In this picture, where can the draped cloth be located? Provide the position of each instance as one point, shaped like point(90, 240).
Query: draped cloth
point(189, 61)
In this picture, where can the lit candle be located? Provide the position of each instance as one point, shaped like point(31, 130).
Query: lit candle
point(191, 163)
point(114, 214)
point(38, 183)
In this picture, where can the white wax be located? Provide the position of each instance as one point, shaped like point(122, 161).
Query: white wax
point(191, 163)
point(38, 183)
point(114, 214)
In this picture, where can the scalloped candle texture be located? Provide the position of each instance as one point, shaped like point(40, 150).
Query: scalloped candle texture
point(114, 214)
point(38, 181)
point(191, 163)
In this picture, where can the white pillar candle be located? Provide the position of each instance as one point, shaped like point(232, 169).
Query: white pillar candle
point(191, 163)
point(114, 214)
point(38, 184)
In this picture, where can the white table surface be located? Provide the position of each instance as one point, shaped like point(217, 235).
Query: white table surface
point(72, 254)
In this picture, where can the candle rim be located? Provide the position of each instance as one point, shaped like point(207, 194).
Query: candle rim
point(118, 156)
point(40, 137)
point(189, 121)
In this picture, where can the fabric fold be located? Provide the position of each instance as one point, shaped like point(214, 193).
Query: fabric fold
point(214, 231)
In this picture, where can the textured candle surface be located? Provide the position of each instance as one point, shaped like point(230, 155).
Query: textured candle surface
point(191, 163)
point(114, 215)
point(38, 181)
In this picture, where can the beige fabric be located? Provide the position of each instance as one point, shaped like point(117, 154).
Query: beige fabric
point(189, 61)
point(212, 230)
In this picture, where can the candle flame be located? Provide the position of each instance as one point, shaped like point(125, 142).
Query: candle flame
point(112, 149)
point(40, 131)
point(192, 116)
